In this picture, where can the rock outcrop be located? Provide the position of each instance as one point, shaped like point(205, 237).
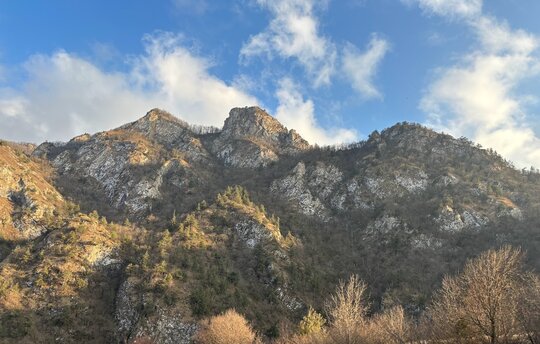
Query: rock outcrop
point(252, 138)
point(28, 200)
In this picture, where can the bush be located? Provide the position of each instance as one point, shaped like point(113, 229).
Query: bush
point(312, 322)
point(201, 301)
point(14, 324)
point(227, 328)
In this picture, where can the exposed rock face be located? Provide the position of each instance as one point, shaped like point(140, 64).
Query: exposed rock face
point(135, 167)
point(295, 187)
point(384, 225)
point(172, 133)
point(290, 302)
point(255, 123)
point(252, 138)
point(132, 163)
point(167, 329)
point(452, 221)
point(512, 212)
point(163, 327)
point(413, 183)
point(252, 233)
point(27, 199)
point(424, 241)
point(126, 311)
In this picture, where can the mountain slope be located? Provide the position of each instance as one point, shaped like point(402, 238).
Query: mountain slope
point(401, 209)
point(29, 203)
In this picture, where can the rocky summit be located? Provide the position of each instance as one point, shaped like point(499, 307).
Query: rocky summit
point(139, 233)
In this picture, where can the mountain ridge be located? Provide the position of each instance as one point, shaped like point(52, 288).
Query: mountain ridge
point(186, 222)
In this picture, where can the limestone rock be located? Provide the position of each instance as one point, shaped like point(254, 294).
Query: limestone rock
point(252, 138)
point(252, 233)
point(294, 187)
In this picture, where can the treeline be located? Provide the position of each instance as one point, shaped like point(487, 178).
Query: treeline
point(203, 129)
point(494, 300)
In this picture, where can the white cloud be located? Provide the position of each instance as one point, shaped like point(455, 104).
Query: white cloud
point(360, 67)
point(449, 8)
point(498, 37)
point(296, 112)
point(65, 95)
point(182, 82)
point(294, 33)
point(479, 96)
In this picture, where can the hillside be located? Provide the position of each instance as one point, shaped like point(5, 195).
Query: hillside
point(144, 230)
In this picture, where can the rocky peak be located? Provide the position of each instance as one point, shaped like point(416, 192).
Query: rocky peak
point(162, 127)
point(405, 130)
point(251, 122)
point(156, 114)
point(252, 138)
point(154, 120)
point(255, 123)
point(412, 138)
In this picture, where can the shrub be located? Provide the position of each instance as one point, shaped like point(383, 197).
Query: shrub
point(14, 324)
point(312, 322)
point(227, 328)
point(201, 301)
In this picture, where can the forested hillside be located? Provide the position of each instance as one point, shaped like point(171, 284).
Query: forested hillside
point(144, 232)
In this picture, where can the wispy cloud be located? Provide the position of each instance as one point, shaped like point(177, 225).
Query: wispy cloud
point(294, 32)
point(479, 96)
point(296, 112)
point(449, 8)
point(360, 67)
point(65, 95)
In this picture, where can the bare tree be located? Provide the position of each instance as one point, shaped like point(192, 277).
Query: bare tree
point(529, 307)
point(390, 327)
point(347, 310)
point(483, 303)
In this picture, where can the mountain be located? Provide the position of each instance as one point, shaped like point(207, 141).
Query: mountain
point(142, 231)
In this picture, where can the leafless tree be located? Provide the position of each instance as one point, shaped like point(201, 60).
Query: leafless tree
point(485, 302)
point(390, 327)
point(529, 307)
point(347, 310)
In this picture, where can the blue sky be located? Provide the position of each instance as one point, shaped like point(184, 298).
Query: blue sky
point(333, 70)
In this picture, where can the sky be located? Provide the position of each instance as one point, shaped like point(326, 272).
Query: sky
point(334, 70)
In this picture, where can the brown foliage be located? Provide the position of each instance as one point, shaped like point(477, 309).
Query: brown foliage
point(389, 327)
point(347, 310)
point(490, 301)
point(227, 328)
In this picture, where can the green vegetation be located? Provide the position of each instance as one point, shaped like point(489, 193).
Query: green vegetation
point(493, 301)
point(14, 324)
point(311, 323)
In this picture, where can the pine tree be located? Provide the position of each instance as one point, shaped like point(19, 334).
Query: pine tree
point(312, 322)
